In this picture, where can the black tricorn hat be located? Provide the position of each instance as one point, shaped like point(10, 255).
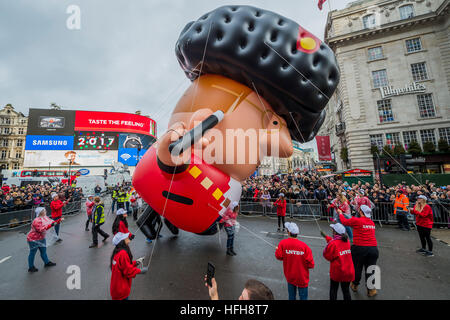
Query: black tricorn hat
point(291, 68)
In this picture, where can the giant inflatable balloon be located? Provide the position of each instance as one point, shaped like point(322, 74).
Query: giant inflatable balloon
point(252, 70)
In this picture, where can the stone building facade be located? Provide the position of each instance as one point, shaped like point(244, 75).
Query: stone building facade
point(394, 57)
point(13, 127)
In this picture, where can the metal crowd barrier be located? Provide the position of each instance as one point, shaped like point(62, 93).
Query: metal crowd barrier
point(12, 219)
point(383, 213)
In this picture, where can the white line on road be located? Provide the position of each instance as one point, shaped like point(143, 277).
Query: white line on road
point(310, 237)
point(4, 259)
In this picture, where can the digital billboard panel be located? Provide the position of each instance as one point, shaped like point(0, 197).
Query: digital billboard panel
point(129, 156)
point(44, 142)
point(96, 140)
point(86, 134)
point(61, 158)
point(114, 121)
point(51, 122)
point(134, 140)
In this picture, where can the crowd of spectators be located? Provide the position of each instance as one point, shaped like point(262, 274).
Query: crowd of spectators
point(303, 187)
point(25, 197)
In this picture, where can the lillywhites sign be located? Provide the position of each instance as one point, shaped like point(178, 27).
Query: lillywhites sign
point(389, 91)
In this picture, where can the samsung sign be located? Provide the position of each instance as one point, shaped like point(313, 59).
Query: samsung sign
point(49, 142)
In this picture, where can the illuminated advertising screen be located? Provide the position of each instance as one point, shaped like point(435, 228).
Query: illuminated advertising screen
point(77, 158)
point(114, 121)
point(133, 146)
point(86, 138)
point(35, 142)
point(50, 122)
point(96, 140)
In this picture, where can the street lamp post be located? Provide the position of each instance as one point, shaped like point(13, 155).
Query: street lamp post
point(70, 166)
point(138, 150)
point(379, 169)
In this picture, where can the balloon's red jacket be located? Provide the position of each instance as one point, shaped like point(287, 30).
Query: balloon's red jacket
point(192, 197)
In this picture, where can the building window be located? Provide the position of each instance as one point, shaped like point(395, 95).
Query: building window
point(369, 21)
point(379, 78)
point(19, 143)
point(5, 143)
point(413, 45)
point(385, 110)
point(377, 140)
point(6, 121)
point(419, 71)
point(3, 154)
point(406, 12)
point(375, 53)
point(6, 130)
point(18, 155)
point(393, 139)
point(426, 106)
point(428, 136)
point(16, 166)
point(408, 137)
point(21, 130)
point(444, 134)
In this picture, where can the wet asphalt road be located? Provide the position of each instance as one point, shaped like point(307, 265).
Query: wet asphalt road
point(178, 264)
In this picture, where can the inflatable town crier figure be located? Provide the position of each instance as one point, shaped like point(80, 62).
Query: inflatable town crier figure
point(251, 70)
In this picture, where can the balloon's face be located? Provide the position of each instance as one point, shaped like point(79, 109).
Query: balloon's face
point(249, 131)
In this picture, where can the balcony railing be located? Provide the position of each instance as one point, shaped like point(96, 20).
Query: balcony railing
point(340, 128)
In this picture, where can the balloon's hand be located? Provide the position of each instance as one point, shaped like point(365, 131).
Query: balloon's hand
point(175, 132)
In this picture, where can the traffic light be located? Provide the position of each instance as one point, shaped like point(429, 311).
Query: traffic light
point(387, 165)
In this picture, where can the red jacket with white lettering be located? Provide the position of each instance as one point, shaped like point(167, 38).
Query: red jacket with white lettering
point(340, 257)
point(424, 218)
point(297, 260)
point(123, 270)
point(363, 230)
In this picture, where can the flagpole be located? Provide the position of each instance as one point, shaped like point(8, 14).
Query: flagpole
point(329, 5)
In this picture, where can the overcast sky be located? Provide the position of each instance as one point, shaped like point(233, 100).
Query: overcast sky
point(122, 58)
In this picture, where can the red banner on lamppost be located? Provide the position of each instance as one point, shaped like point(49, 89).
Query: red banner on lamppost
point(323, 148)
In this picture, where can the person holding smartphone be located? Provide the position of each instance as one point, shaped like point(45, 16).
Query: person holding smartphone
point(253, 290)
point(123, 268)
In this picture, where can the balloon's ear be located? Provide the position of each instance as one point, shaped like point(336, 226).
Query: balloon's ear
point(198, 116)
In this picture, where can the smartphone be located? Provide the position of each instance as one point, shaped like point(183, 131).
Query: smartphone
point(210, 273)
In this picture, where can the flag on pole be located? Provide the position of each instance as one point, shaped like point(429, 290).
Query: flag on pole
point(321, 2)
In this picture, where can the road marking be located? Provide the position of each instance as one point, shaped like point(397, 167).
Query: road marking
point(4, 259)
point(309, 237)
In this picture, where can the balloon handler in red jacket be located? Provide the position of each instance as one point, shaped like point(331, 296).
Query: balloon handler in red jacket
point(364, 249)
point(56, 206)
point(258, 79)
point(123, 268)
point(280, 203)
point(424, 223)
point(297, 260)
point(338, 252)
